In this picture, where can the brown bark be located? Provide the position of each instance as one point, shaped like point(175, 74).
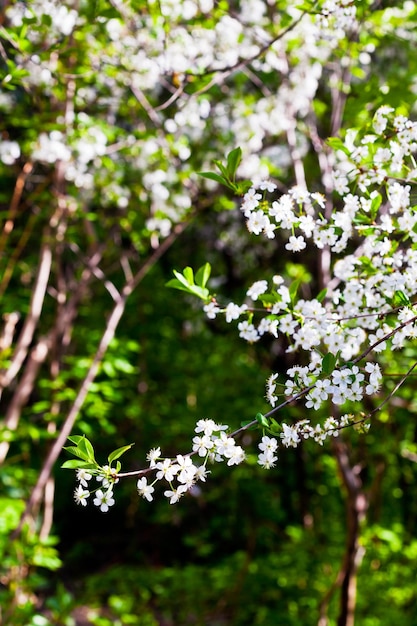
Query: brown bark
point(356, 507)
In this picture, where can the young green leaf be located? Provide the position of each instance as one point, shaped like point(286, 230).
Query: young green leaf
point(182, 278)
point(76, 439)
point(76, 451)
point(203, 274)
point(262, 420)
point(174, 283)
point(189, 275)
point(85, 446)
point(182, 281)
point(401, 299)
point(233, 159)
point(337, 144)
point(118, 453)
point(274, 426)
point(216, 177)
point(201, 293)
point(75, 464)
point(375, 204)
point(293, 288)
point(329, 363)
point(322, 295)
point(222, 168)
point(242, 187)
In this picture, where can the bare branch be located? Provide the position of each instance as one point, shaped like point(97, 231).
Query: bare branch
point(24, 389)
point(26, 335)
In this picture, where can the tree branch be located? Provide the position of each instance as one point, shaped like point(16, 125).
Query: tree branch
point(26, 335)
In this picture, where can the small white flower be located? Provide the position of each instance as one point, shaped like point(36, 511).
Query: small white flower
point(104, 500)
point(236, 455)
point(233, 311)
point(257, 221)
point(320, 199)
point(224, 445)
point(295, 244)
point(106, 477)
point(153, 455)
point(81, 495)
point(83, 476)
point(175, 494)
point(267, 459)
point(211, 309)
point(208, 426)
point(257, 289)
point(202, 445)
point(201, 473)
point(248, 331)
point(144, 489)
point(250, 201)
point(268, 444)
point(166, 469)
point(266, 185)
point(290, 436)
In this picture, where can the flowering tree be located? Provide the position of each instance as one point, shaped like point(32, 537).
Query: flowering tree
point(134, 106)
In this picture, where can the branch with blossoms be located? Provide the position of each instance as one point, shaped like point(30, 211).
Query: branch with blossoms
point(367, 307)
point(211, 442)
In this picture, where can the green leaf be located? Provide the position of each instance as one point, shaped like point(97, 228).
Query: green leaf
point(46, 556)
point(86, 446)
point(269, 298)
point(201, 293)
point(203, 274)
point(241, 188)
point(262, 420)
point(83, 448)
point(375, 204)
point(182, 278)
point(401, 299)
point(194, 290)
point(222, 168)
point(293, 288)
point(233, 159)
point(76, 451)
point(118, 453)
point(189, 275)
point(329, 363)
point(216, 177)
point(76, 439)
point(75, 464)
point(174, 283)
point(274, 427)
point(322, 295)
point(337, 144)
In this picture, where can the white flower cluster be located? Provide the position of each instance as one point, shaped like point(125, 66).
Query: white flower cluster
point(336, 17)
point(292, 435)
point(376, 281)
point(342, 385)
point(210, 442)
point(180, 473)
point(62, 19)
point(103, 496)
